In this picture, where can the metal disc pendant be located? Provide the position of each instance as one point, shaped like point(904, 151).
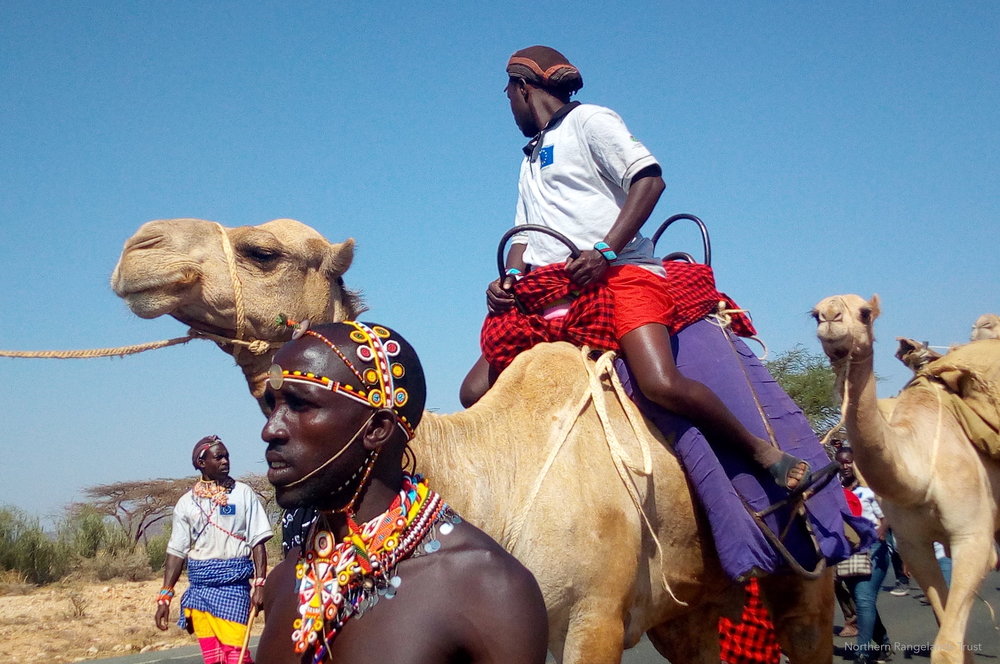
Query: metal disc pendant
point(432, 546)
point(446, 528)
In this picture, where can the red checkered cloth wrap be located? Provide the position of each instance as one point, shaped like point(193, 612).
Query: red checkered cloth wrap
point(692, 287)
point(751, 640)
point(590, 319)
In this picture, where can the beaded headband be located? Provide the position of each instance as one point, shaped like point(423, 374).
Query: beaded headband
point(376, 386)
point(203, 446)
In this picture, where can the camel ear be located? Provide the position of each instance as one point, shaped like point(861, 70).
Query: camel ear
point(874, 304)
point(338, 257)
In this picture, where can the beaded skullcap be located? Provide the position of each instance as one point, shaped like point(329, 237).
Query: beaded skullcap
point(546, 67)
point(373, 361)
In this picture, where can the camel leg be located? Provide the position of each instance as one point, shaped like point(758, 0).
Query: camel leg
point(802, 612)
point(692, 638)
point(972, 557)
point(596, 635)
point(924, 567)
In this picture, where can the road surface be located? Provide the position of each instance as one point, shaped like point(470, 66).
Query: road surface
point(910, 624)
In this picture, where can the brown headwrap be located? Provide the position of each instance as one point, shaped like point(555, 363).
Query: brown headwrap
point(202, 446)
point(545, 67)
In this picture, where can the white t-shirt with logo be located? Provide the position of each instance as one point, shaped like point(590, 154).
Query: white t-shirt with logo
point(575, 181)
point(203, 530)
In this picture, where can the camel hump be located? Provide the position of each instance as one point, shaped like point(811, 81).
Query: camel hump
point(974, 366)
point(971, 375)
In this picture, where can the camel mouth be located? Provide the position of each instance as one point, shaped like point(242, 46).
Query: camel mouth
point(202, 326)
point(151, 303)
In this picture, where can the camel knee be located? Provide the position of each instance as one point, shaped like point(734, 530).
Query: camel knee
point(595, 643)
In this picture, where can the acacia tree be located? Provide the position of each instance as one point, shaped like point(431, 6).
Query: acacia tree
point(810, 382)
point(136, 505)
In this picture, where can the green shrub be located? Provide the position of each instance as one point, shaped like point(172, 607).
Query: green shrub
point(131, 566)
point(117, 542)
point(91, 534)
point(27, 549)
point(156, 550)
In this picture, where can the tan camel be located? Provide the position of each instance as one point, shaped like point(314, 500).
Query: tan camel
point(933, 484)
point(191, 268)
point(607, 577)
point(916, 355)
point(986, 326)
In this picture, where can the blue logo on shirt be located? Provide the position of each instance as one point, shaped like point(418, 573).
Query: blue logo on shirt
point(227, 510)
point(545, 155)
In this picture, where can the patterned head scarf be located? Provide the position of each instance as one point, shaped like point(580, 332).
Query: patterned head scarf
point(386, 368)
point(202, 447)
point(546, 68)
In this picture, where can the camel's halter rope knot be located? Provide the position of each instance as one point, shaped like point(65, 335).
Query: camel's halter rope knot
point(254, 346)
point(598, 373)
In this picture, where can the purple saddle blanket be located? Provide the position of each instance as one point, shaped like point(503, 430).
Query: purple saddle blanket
point(723, 479)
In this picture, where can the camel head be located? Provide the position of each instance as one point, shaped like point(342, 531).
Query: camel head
point(986, 326)
point(234, 282)
point(844, 325)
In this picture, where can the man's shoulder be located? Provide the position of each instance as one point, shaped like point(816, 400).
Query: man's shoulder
point(585, 113)
point(483, 565)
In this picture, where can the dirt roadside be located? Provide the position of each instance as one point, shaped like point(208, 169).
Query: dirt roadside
point(75, 622)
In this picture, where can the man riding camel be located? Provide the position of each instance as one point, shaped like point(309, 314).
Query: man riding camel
point(344, 400)
point(585, 176)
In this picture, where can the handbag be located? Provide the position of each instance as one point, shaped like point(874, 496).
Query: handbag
point(858, 564)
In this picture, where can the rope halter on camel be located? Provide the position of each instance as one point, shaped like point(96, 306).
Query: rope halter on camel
point(238, 343)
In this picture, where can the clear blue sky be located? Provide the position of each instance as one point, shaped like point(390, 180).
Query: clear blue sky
point(844, 147)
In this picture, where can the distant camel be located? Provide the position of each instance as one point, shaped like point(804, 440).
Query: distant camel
point(933, 483)
point(915, 354)
point(607, 577)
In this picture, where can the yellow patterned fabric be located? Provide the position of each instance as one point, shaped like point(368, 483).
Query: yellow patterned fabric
point(220, 640)
point(970, 375)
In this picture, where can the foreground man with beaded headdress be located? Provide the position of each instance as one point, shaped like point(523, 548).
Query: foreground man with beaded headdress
point(220, 528)
point(344, 400)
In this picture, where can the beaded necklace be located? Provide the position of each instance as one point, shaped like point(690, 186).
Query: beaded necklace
point(218, 493)
point(336, 581)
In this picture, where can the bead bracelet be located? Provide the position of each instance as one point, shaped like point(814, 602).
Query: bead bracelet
point(606, 251)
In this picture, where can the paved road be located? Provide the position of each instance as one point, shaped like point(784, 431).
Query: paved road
point(911, 626)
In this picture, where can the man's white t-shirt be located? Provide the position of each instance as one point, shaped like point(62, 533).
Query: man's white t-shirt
point(575, 181)
point(203, 530)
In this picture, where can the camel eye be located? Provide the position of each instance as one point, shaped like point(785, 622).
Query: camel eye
point(866, 315)
point(262, 255)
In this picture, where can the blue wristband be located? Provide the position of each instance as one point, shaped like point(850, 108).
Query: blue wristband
point(606, 251)
point(513, 272)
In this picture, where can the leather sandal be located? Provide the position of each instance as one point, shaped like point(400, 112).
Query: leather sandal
point(781, 469)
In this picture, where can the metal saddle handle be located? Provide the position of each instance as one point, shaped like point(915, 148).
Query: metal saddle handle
point(501, 268)
point(706, 243)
